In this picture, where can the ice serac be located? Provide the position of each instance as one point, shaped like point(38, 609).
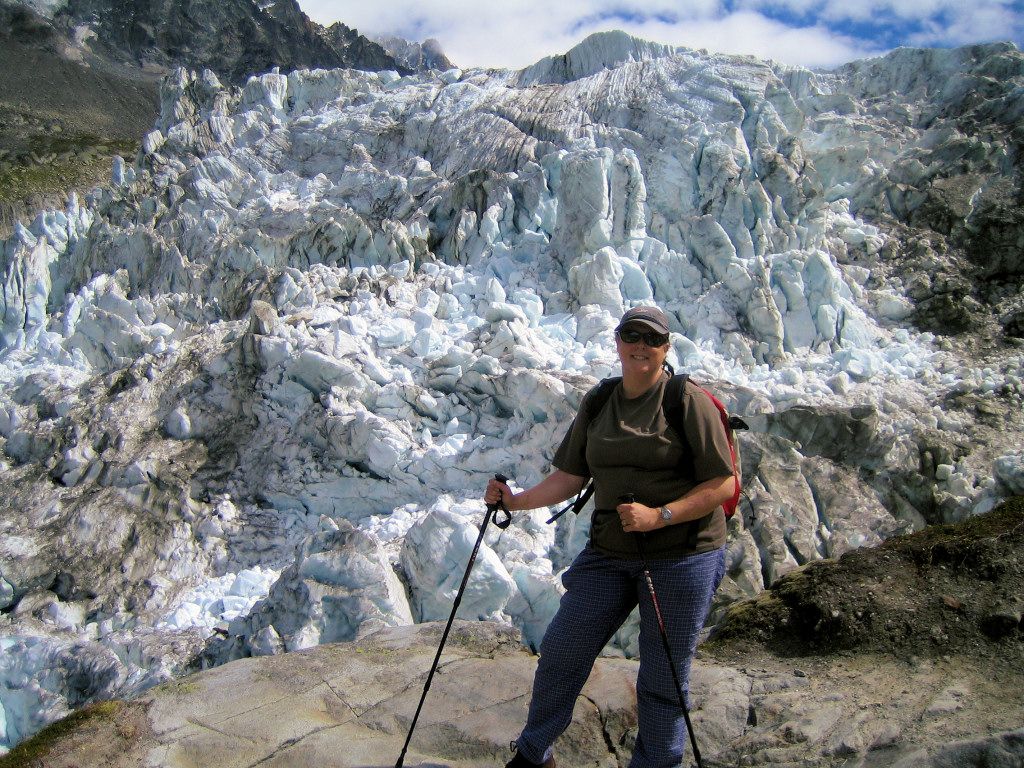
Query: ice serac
point(341, 584)
point(252, 390)
point(434, 556)
point(600, 51)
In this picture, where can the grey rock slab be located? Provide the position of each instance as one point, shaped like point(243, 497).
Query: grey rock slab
point(949, 700)
point(350, 705)
point(721, 697)
point(1003, 750)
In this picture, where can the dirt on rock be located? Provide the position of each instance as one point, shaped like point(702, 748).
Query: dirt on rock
point(947, 590)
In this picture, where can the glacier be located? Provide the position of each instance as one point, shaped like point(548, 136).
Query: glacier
point(252, 390)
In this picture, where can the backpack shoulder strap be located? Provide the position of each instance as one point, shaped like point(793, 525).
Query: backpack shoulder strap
point(672, 404)
point(591, 407)
point(601, 393)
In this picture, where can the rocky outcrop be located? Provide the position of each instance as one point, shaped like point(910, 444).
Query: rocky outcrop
point(416, 56)
point(236, 38)
point(351, 705)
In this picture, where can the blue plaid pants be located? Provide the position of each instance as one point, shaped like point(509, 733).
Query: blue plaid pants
point(601, 592)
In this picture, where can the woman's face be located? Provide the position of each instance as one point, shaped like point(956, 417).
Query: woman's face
point(640, 357)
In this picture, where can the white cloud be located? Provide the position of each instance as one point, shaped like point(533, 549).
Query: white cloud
point(966, 25)
point(753, 34)
point(509, 34)
point(517, 33)
point(951, 21)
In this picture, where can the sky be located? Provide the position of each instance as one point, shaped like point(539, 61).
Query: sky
point(811, 33)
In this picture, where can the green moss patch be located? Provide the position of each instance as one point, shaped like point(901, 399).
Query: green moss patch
point(39, 746)
point(53, 166)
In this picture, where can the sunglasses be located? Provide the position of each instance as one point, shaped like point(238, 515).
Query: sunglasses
point(651, 338)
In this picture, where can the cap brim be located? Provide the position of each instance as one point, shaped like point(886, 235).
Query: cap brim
point(640, 321)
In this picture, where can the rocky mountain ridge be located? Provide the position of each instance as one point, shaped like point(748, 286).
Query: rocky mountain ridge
point(235, 38)
point(82, 77)
point(417, 56)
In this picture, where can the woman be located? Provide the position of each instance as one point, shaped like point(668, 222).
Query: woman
point(679, 483)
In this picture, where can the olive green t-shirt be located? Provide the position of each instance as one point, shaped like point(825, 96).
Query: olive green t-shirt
point(630, 448)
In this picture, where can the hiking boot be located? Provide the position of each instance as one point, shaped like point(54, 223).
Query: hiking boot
point(518, 761)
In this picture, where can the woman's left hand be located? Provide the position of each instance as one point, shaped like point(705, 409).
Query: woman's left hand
point(638, 518)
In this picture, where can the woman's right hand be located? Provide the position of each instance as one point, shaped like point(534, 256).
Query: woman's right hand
point(496, 492)
point(556, 487)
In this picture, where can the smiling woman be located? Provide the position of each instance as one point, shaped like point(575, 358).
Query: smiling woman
point(657, 491)
point(641, 341)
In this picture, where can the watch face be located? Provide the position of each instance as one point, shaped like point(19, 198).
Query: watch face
point(666, 513)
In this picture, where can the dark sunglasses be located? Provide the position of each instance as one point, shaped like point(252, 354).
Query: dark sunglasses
point(651, 338)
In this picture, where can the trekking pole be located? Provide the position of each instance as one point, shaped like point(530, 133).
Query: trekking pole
point(629, 498)
point(492, 510)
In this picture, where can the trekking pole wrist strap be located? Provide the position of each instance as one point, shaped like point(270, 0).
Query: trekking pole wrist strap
point(576, 505)
point(505, 521)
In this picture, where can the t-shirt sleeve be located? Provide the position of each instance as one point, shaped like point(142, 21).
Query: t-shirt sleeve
point(706, 435)
point(571, 455)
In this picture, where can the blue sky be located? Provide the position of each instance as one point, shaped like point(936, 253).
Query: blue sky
point(813, 33)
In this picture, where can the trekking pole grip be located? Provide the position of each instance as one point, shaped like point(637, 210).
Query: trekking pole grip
point(506, 521)
point(629, 498)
